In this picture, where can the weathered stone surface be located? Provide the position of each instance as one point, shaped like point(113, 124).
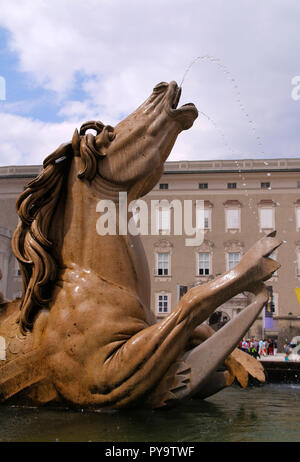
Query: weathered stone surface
point(83, 332)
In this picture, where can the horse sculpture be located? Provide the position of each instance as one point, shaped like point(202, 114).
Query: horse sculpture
point(83, 333)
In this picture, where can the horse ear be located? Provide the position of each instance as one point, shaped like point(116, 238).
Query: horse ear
point(76, 143)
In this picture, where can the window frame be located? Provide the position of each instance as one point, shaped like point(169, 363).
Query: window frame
point(261, 209)
point(178, 291)
point(298, 262)
point(160, 221)
point(166, 295)
point(227, 212)
point(232, 185)
point(163, 186)
point(297, 214)
point(157, 264)
point(228, 266)
point(204, 268)
point(207, 216)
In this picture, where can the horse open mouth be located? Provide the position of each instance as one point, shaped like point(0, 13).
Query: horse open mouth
point(187, 111)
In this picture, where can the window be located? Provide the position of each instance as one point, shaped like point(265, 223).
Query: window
point(298, 263)
point(203, 185)
point(266, 217)
point(207, 220)
point(163, 264)
point(163, 186)
point(135, 216)
point(298, 217)
point(231, 185)
point(233, 259)
point(232, 218)
point(273, 256)
point(163, 221)
point(271, 304)
point(266, 185)
point(203, 219)
point(163, 303)
point(182, 290)
point(4, 269)
point(203, 264)
point(17, 268)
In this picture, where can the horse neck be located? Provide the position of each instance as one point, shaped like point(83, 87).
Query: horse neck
point(108, 256)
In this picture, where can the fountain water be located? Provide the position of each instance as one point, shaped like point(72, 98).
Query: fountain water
point(229, 76)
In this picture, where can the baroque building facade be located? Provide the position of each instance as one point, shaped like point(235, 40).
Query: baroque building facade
point(242, 201)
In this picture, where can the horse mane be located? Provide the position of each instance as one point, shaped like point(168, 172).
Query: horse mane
point(36, 207)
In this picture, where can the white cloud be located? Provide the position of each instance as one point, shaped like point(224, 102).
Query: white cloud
point(28, 141)
point(122, 49)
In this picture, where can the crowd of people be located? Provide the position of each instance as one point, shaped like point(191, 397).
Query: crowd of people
point(258, 348)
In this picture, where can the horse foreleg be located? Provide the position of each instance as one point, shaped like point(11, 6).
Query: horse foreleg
point(138, 364)
point(200, 375)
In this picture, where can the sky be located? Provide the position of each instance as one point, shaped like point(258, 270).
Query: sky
point(63, 62)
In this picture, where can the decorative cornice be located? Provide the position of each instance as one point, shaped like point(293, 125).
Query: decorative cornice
point(232, 202)
point(208, 204)
point(266, 202)
point(234, 245)
point(163, 244)
point(206, 245)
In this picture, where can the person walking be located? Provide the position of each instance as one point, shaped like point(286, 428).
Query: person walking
point(271, 347)
point(262, 348)
point(245, 346)
point(266, 347)
point(287, 351)
point(275, 348)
